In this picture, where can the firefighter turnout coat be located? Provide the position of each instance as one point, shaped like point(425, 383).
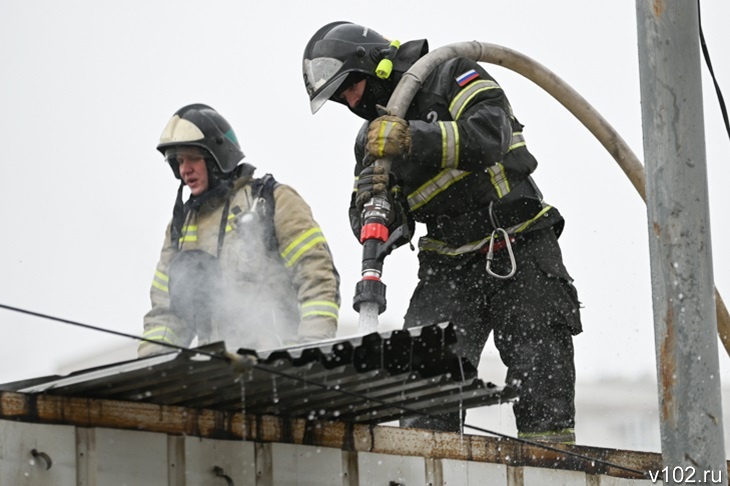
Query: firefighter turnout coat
point(468, 155)
point(252, 274)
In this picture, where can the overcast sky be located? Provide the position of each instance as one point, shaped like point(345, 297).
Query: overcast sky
point(87, 87)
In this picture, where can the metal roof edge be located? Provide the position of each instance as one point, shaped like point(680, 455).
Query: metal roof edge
point(216, 424)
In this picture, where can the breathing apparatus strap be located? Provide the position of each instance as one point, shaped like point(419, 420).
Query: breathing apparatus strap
point(222, 228)
point(178, 218)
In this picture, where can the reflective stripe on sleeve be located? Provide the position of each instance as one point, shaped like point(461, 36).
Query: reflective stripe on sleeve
point(161, 333)
point(518, 140)
point(313, 308)
point(449, 145)
point(499, 179)
point(160, 281)
point(301, 245)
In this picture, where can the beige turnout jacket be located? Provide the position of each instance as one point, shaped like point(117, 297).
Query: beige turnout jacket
point(260, 297)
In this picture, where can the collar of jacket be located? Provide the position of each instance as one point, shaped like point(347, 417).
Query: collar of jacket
point(408, 54)
point(215, 196)
point(244, 175)
point(209, 200)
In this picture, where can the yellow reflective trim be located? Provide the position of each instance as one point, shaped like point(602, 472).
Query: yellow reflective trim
point(297, 241)
point(568, 436)
point(430, 244)
point(305, 248)
point(499, 179)
point(160, 281)
point(529, 222)
point(161, 339)
point(518, 140)
point(435, 186)
point(319, 313)
point(160, 334)
point(463, 97)
point(381, 139)
point(444, 144)
point(325, 303)
point(449, 145)
point(320, 308)
point(160, 286)
point(189, 233)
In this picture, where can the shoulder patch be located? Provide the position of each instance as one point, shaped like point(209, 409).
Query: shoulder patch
point(466, 77)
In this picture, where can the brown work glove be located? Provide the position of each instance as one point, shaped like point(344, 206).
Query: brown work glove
point(371, 181)
point(388, 137)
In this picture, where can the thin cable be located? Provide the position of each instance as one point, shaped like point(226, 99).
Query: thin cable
point(109, 331)
point(706, 54)
point(266, 369)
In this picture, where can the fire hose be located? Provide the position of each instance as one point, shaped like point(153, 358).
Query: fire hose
point(370, 299)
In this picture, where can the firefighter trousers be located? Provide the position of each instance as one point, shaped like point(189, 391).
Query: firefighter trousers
point(534, 315)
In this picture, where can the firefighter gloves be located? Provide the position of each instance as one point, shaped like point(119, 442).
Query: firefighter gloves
point(388, 137)
point(372, 180)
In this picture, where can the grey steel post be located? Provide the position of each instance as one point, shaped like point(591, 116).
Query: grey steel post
point(680, 247)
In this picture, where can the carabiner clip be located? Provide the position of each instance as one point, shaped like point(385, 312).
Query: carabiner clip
point(490, 254)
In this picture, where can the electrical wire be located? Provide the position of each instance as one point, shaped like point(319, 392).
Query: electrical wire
point(706, 54)
point(326, 387)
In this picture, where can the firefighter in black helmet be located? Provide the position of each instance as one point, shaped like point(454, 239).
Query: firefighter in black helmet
point(243, 261)
point(490, 261)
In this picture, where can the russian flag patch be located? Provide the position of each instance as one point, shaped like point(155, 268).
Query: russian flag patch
point(467, 77)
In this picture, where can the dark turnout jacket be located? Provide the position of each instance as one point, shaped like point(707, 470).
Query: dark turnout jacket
point(468, 154)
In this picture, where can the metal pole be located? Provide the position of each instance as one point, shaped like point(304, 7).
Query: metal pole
point(685, 323)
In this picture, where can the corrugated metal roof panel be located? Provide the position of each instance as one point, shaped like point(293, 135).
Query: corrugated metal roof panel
point(374, 378)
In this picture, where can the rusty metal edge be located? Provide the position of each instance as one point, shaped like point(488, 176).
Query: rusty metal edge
point(215, 424)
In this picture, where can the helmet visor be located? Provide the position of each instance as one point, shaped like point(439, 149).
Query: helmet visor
point(184, 151)
point(322, 79)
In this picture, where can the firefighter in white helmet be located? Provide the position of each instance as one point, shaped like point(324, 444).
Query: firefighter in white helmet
point(243, 259)
point(490, 260)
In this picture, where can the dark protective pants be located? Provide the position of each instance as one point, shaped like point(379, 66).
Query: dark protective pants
point(533, 314)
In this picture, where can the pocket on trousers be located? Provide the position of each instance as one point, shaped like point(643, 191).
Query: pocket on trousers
point(564, 295)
